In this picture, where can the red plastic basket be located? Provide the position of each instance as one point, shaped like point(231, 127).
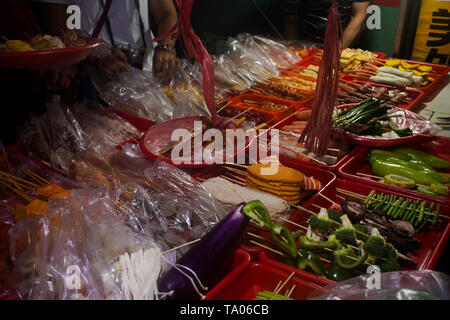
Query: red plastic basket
point(257, 277)
point(358, 166)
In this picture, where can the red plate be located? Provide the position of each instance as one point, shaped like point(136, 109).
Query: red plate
point(159, 136)
point(438, 146)
point(48, 58)
point(410, 119)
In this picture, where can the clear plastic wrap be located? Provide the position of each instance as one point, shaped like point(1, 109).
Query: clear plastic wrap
point(183, 200)
point(414, 285)
point(137, 93)
point(29, 247)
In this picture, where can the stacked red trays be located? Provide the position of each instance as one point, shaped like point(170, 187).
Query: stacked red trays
point(248, 278)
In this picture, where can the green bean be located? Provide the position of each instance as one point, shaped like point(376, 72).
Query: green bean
point(436, 215)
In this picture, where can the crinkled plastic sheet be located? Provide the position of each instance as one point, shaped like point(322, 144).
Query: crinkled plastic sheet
point(75, 256)
point(137, 93)
point(414, 285)
point(201, 209)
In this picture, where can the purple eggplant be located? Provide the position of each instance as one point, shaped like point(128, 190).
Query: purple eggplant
point(204, 258)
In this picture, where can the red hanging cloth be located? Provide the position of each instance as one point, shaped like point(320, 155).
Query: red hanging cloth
point(196, 50)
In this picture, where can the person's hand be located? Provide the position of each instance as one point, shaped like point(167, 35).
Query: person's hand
point(165, 64)
point(114, 63)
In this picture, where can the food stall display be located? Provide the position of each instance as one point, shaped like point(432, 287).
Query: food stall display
point(99, 185)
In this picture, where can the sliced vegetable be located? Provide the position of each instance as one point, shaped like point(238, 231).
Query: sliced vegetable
point(399, 181)
point(310, 260)
point(284, 239)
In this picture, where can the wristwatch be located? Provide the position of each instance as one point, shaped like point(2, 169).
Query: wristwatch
point(165, 47)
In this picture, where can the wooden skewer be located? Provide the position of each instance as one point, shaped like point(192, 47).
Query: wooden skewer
point(285, 282)
point(239, 115)
point(18, 192)
point(291, 291)
point(233, 181)
point(363, 197)
point(19, 179)
point(278, 285)
point(224, 107)
point(182, 246)
point(268, 248)
point(6, 206)
point(326, 198)
point(17, 184)
point(368, 176)
point(37, 177)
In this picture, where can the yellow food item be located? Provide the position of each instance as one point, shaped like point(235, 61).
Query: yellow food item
point(18, 46)
point(425, 68)
point(393, 63)
point(20, 212)
point(409, 66)
point(37, 207)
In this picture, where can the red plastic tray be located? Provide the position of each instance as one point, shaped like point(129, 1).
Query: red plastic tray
point(258, 277)
point(433, 242)
point(48, 58)
point(237, 102)
point(439, 73)
point(439, 146)
point(334, 167)
point(414, 94)
point(384, 143)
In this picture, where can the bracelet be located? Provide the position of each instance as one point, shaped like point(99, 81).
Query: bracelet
point(165, 47)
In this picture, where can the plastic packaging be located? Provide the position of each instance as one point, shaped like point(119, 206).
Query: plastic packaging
point(416, 285)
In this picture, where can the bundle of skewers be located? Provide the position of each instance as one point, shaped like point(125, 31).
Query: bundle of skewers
point(285, 88)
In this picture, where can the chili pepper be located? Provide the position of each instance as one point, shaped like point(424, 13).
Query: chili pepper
point(382, 200)
point(309, 244)
point(433, 161)
point(369, 198)
point(399, 212)
point(383, 168)
point(412, 210)
point(414, 166)
point(343, 254)
point(404, 132)
point(389, 203)
point(385, 153)
point(311, 260)
point(257, 211)
point(284, 238)
point(418, 212)
point(392, 208)
point(420, 216)
point(436, 215)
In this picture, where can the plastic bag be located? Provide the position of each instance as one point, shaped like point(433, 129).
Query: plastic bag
point(184, 200)
point(29, 247)
point(137, 93)
point(414, 285)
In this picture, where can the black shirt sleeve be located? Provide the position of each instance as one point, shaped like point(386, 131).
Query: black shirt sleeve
point(290, 7)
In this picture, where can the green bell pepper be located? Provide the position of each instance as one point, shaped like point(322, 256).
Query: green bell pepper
point(309, 244)
point(311, 260)
point(284, 239)
point(342, 257)
point(258, 212)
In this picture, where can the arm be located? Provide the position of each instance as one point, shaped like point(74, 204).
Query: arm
point(356, 24)
point(165, 16)
point(290, 26)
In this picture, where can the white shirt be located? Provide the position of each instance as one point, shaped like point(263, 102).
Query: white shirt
point(124, 18)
